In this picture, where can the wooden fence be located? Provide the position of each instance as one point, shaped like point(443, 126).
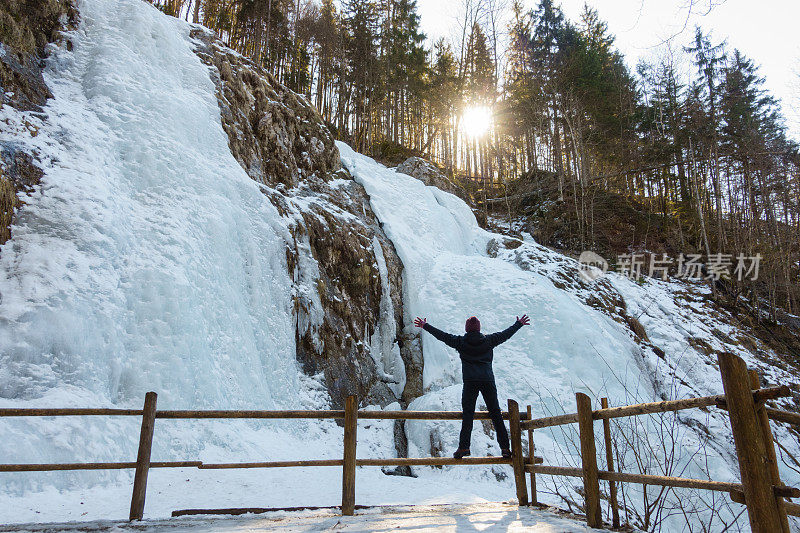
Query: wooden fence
point(350, 414)
point(761, 489)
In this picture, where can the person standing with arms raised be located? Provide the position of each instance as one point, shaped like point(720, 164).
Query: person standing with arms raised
point(476, 351)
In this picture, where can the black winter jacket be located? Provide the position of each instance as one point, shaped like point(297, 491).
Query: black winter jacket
point(475, 350)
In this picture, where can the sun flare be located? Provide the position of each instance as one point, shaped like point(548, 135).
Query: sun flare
point(476, 121)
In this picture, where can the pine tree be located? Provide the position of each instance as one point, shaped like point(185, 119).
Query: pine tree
point(406, 64)
point(361, 47)
point(480, 68)
point(329, 51)
point(709, 60)
point(441, 94)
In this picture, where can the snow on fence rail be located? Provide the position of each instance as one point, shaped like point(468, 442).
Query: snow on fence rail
point(761, 489)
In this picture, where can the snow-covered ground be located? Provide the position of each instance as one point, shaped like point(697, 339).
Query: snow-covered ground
point(149, 260)
point(190, 488)
point(480, 517)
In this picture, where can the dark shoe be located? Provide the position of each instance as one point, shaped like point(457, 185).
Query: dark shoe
point(506, 454)
point(461, 453)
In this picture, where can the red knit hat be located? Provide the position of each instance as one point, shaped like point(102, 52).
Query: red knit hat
point(473, 324)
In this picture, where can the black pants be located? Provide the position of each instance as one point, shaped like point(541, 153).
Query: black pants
point(469, 395)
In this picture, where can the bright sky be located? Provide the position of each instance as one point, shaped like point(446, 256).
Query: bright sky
point(765, 31)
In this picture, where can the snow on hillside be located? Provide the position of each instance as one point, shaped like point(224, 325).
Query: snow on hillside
point(149, 260)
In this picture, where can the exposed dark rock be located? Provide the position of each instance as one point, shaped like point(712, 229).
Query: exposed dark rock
point(274, 133)
point(401, 444)
point(348, 277)
point(701, 345)
point(21, 81)
point(723, 336)
point(411, 351)
point(26, 28)
point(18, 173)
point(637, 328)
point(493, 246)
point(337, 323)
point(429, 174)
point(499, 474)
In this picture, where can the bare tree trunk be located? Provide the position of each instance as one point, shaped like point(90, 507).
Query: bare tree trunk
point(700, 213)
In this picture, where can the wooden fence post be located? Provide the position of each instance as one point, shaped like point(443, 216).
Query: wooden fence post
point(762, 508)
point(769, 447)
point(349, 463)
point(612, 486)
point(591, 483)
point(517, 459)
point(532, 454)
point(143, 457)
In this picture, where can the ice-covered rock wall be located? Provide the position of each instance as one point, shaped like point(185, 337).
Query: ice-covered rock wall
point(147, 259)
point(191, 235)
point(347, 275)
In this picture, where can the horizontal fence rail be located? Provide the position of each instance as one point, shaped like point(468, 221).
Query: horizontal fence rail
point(92, 466)
point(229, 414)
point(761, 395)
point(643, 479)
point(783, 416)
point(648, 479)
point(26, 411)
point(149, 414)
point(761, 489)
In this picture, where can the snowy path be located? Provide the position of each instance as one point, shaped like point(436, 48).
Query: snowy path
point(477, 517)
point(190, 488)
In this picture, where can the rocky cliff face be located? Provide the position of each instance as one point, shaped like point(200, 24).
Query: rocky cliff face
point(429, 174)
point(26, 28)
point(348, 278)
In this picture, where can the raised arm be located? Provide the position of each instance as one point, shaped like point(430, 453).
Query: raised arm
point(447, 338)
point(502, 336)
